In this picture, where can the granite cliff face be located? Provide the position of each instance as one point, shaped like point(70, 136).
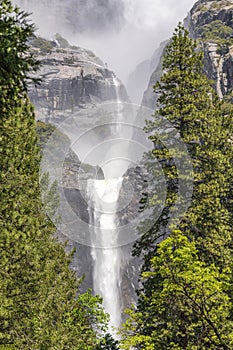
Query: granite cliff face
point(207, 11)
point(139, 78)
point(75, 85)
point(72, 79)
point(149, 99)
point(211, 22)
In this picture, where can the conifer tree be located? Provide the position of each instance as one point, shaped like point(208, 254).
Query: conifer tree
point(40, 303)
point(188, 101)
point(185, 301)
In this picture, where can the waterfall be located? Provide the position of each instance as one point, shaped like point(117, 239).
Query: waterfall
point(106, 256)
point(119, 114)
point(103, 197)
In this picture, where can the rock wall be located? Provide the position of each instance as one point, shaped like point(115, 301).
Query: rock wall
point(141, 77)
point(217, 48)
point(75, 80)
point(72, 79)
point(149, 99)
point(207, 11)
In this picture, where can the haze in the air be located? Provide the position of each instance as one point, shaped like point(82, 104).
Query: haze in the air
point(121, 32)
point(148, 22)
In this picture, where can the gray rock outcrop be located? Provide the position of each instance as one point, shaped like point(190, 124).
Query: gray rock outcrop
point(211, 22)
point(73, 79)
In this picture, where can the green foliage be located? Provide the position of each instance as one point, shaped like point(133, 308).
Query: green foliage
point(185, 301)
point(213, 5)
point(16, 62)
point(45, 131)
point(217, 29)
point(189, 307)
point(202, 8)
point(217, 32)
point(40, 303)
point(217, 5)
point(107, 343)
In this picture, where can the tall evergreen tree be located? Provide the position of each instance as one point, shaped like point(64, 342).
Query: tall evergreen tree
point(187, 100)
point(40, 303)
point(165, 318)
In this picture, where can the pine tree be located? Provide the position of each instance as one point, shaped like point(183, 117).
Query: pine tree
point(40, 303)
point(187, 100)
point(166, 317)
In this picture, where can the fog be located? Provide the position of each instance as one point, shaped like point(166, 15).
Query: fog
point(121, 32)
point(148, 22)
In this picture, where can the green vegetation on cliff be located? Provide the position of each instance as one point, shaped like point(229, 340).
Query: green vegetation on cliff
point(217, 32)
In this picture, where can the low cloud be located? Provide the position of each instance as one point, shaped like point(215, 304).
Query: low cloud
point(122, 33)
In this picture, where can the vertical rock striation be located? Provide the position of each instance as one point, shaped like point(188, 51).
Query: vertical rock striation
point(211, 23)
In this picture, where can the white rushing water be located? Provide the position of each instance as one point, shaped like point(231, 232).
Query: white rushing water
point(103, 197)
point(106, 256)
point(119, 114)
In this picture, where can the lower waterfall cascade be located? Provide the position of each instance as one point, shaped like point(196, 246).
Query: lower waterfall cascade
point(106, 256)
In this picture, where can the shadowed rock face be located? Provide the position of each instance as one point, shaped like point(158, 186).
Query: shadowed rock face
point(207, 11)
point(218, 53)
point(76, 16)
point(140, 77)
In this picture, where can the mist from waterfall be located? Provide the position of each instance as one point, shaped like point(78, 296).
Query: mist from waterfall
point(147, 24)
point(103, 196)
point(135, 30)
point(103, 199)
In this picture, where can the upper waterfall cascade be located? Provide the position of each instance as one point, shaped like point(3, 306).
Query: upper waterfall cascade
point(103, 197)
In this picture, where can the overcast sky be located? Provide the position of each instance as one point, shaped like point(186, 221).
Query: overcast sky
point(148, 23)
